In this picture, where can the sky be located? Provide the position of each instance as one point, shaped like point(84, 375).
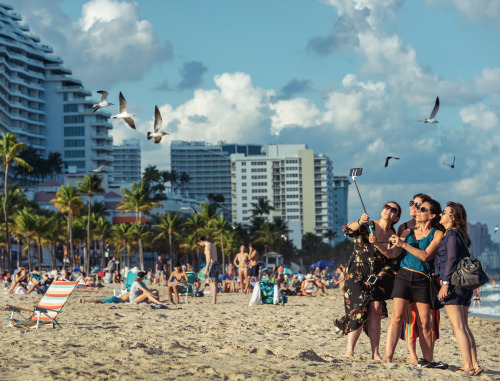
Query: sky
point(349, 78)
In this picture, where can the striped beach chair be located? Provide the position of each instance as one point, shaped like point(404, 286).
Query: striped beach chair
point(47, 310)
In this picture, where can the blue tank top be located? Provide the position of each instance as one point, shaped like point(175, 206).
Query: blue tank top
point(411, 262)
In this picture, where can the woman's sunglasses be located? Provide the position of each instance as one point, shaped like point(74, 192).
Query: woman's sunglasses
point(415, 204)
point(388, 207)
point(423, 209)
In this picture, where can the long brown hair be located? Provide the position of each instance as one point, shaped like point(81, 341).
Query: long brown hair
point(424, 197)
point(436, 209)
point(459, 219)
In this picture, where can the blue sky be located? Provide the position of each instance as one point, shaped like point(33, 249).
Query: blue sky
point(347, 77)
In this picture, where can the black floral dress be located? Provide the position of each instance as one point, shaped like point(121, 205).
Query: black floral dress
point(365, 260)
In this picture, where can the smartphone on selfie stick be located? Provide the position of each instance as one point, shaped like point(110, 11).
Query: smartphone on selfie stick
point(355, 172)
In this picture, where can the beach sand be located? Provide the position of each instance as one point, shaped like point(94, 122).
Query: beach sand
point(227, 341)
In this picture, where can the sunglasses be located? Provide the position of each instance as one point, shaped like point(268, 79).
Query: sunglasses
point(388, 207)
point(448, 213)
point(415, 204)
point(423, 209)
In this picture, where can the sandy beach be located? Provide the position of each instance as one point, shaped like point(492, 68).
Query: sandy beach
point(228, 341)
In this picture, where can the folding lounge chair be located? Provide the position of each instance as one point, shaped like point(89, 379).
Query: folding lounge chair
point(190, 286)
point(47, 310)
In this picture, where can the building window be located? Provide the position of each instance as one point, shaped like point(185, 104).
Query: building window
point(78, 164)
point(70, 108)
point(73, 119)
point(74, 131)
point(74, 143)
point(76, 153)
point(243, 191)
point(244, 205)
point(243, 170)
point(243, 184)
point(244, 198)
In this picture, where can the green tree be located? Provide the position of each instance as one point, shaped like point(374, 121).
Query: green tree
point(187, 242)
point(102, 231)
point(268, 236)
point(10, 149)
point(221, 226)
point(138, 200)
point(26, 224)
point(68, 201)
point(167, 225)
point(91, 184)
point(195, 224)
point(121, 236)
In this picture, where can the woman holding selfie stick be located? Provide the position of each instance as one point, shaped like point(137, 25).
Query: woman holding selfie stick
point(367, 263)
point(412, 282)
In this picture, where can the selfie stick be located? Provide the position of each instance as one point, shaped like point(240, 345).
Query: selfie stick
point(355, 172)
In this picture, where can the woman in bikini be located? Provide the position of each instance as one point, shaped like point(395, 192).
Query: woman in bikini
point(240, 261)
point(177, 281)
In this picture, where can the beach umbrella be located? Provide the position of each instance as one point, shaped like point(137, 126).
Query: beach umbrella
point(323, 263)
point(200, 274)
point(288, 271)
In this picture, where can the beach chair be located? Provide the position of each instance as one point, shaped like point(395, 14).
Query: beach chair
point(47, 310)
point(190, 286)
point(126, 285)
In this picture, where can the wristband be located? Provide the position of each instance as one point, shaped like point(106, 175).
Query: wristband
point(445, 282)
point(359, 223)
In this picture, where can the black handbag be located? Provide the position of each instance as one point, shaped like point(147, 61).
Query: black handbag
point(434, 289)
point(469, 273)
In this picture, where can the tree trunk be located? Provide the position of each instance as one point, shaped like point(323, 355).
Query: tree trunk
point(7, 235)
point(101, 249)
point(86, 259)
point(223, 257)
point(19, 252)
point(29, 254)
point(70, 234)
point(141, 256)
point(39, 255)
point(171, 257)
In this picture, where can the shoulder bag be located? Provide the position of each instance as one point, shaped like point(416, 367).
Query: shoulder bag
point(469, 273)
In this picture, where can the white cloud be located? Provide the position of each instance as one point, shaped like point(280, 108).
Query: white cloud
point(479, 117)
point(109, 44)
point(475, 10)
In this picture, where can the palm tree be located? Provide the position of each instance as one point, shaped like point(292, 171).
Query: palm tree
point(55, 162)
point(195, 224)
point(121, 236)
point(26, 224)
point(184, 180)
point(221, 226)
point(68, 201)
point(79, 232)
point(187, 242)
point(330, 235)
point(10, 149)
point(139, 233)
point(102, 231)
point(260, 208)
point(138, 200)
point(91, 184)
point(268, 236)
point(168, 224)
point(41, 230)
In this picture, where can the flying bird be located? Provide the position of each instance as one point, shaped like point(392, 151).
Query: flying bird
point(99, 169)
point(496, 229)
point(431, 119)
point(124, 114)
point(158, 133)
point(389, 158)
point(452, 165)
point(190, 208)
point(103, 102)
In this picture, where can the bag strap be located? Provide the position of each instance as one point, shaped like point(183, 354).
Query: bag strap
point(465, 243)
point(427, 270)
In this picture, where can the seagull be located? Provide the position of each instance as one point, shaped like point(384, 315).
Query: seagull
point(103, 102)
point(431, 119)
point(99, 169)
point(452, 165)
point(190, 208)
point(389, 158)
point(124, 113)
point(158, 134)
point(496, 229)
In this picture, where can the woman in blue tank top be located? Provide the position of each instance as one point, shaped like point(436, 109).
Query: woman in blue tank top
point(412, 282)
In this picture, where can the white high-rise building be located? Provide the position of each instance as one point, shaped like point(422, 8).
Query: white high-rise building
point(297, 183)
point(127, 161)
point(43, 104)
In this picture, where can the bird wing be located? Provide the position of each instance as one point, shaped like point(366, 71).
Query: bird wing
point(158, 121)
point(157, 139)
point(446, 164)
point(104, 95)
point(123, 103)
point(387, 161)
point(435, 110)
point(453, 160)
point(130, 122)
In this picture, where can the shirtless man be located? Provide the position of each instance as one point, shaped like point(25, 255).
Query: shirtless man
point(240, 261)
point(253, 271)
point(212, 269)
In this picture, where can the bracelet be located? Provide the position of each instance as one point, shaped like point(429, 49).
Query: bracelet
point(359, 223)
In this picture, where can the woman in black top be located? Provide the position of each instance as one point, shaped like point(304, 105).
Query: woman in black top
point(452, 248)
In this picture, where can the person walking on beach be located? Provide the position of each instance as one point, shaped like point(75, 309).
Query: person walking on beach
point(253, 272)
point(451, 250)
point(240, 261)
point(212, 268)
point(111, 268)
point(476, 298)
point(159, 276)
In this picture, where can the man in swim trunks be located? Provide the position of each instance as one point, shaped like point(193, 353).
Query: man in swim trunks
point(212, 269)
point(253, 271)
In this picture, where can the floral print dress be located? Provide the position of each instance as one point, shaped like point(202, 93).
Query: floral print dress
point(365, 260)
